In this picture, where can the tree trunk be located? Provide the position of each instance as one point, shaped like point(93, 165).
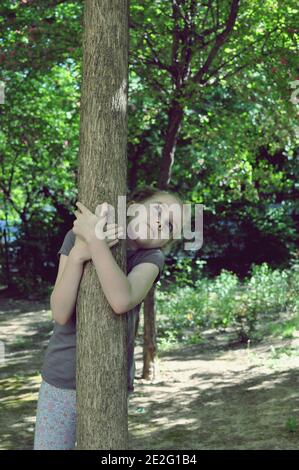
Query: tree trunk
point(6, 250)
point(175, 117)
point(150, 363)
point(102, 421)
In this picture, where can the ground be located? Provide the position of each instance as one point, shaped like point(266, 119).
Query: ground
point(215, 395)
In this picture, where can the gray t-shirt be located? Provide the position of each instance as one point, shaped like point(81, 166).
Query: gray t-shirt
point(59, 367)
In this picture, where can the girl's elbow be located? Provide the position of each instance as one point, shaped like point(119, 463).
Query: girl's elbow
point(57, 318)
point(60, 321)
point(121, 308)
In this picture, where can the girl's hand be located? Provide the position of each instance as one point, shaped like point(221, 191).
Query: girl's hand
point(89, 225)
point(102, 212)
point(81, 250)
point(86, 222)
point(112, 232)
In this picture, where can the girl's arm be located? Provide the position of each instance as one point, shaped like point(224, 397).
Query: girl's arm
point(64, 295)
point(118, 288)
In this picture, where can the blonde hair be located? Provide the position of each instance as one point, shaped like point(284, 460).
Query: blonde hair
point(146, 192)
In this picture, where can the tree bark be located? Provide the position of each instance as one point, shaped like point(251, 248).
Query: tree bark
point(102, 421)
point(175, 118)
point(150, 363)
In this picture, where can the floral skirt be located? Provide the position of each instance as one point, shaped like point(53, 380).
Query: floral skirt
point(55, 427)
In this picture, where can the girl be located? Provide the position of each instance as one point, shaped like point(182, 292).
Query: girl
point(55, 427)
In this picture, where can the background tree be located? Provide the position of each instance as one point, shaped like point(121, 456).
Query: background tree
point(205, 42)
point(209, 103)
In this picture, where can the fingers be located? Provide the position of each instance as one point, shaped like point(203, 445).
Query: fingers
point(114, 227)
point(98, 211)
point(79, 239)
point(102, 210)
point(112, 242)
point(102, 227)
point(113, 232)
point(82, 207)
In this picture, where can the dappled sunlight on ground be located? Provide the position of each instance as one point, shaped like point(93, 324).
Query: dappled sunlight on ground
point(216, 395)
point(239, 398)
point(25, 327)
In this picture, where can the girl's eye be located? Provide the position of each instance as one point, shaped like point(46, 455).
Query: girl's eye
point(160, 210)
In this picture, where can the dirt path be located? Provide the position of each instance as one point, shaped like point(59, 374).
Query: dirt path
point(209, 396)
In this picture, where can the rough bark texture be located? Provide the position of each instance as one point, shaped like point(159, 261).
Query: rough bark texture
point(102, 421)
point(150, 363)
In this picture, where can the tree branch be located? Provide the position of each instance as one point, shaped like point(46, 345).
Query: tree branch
point(220, 40)
point(175, 44)
point(156, 60)
point(9, 198)
point(241, 53)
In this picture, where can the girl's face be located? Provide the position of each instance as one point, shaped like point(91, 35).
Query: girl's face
point(156, 222)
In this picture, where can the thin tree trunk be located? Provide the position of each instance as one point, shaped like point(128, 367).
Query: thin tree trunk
point(175, 118)
point(181, 61)
point(102, 421)
point(150, 363)
point(6, 249)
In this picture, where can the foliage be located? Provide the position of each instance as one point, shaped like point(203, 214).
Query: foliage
point(236, 151)
point(225, 301)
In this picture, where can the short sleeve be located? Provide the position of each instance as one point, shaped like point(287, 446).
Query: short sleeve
point(155, 256)
point(68, 243)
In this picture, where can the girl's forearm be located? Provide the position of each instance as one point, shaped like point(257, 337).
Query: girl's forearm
point(64, 296)
point(114, 282)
